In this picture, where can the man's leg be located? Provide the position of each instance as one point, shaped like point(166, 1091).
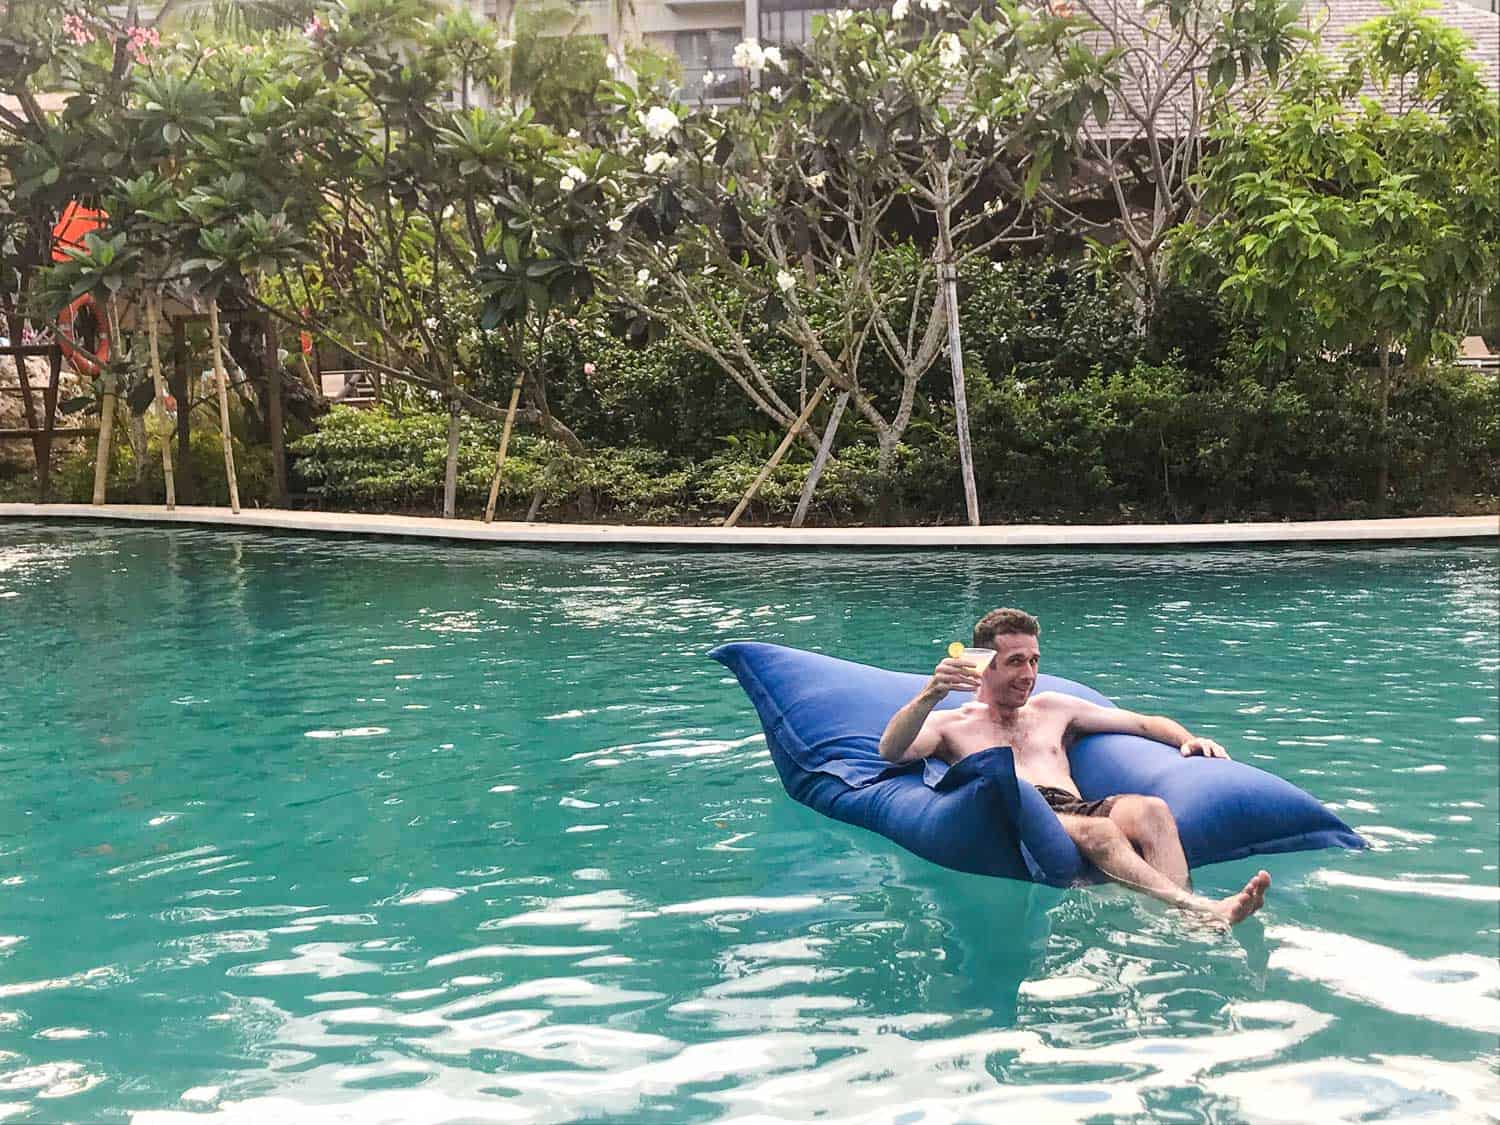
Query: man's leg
point(1104, 845)
point(1152, 830)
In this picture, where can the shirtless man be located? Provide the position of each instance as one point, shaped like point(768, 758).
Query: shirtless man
point(1131, 839)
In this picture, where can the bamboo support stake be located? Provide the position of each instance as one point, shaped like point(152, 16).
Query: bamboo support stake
point(153, 314)
point(786, 443)
point(510, 421)
point(821, 460)
point(216, 343)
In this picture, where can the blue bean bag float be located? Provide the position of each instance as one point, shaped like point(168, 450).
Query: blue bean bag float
point(823, 718)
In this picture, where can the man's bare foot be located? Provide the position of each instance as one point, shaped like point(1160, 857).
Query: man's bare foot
point(1236, 908)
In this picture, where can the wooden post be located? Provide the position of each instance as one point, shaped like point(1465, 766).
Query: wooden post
point(824, 449)
point(153, 329)
point(216, 342)
point(510, 420)
point(182, 391)
point(450, 465)
point(274, 421)
point(786, 443)
point(28, 405)
point(948, 275)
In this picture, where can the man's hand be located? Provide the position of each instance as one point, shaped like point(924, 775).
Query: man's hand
point(951, 675)
point(1203, 747)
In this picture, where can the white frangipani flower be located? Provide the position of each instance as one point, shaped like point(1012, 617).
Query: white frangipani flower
point(566, 183)
point(772, 57)
point(709, 78)
point(573, 134)
point(616, 225)
point(950, 52)
point(748, 55)
point(775, 92)
point(982, 126)
point(577, 174)
point(933, 5)
point(642, 276)
point(900, 9)
point(659, 162)
point(431, 322)
point(786, 281)
point(840, 17)
point(659, 121)
point(817, 181)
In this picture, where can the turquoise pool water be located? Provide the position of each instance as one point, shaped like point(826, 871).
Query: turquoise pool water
point(295, 829)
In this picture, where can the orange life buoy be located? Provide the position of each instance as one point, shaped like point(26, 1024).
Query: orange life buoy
point(80, 325)
point(81, 336)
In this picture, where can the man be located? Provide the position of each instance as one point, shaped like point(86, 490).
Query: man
point(1130, 838)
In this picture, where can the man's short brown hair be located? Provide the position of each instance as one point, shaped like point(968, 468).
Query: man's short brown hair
point(1003, 622)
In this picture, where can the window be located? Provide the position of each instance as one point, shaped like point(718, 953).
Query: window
point(709, 52)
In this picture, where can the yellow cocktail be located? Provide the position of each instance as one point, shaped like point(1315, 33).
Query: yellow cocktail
point(978, 658)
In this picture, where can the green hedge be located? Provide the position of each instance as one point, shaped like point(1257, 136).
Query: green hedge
point(1074, 414)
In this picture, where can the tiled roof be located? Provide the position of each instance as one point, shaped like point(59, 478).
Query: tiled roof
point(1336, 19)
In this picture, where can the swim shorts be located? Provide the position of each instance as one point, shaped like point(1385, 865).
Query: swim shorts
point(1064, 803)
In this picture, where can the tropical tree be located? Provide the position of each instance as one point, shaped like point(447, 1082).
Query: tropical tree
point(1344, 219)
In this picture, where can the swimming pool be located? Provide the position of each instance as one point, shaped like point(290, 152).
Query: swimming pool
point(314, 830)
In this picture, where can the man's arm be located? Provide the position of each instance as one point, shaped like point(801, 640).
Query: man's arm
point(914, 732)
point(1089, 718)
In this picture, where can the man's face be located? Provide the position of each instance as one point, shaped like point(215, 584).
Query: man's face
point(1012, 674)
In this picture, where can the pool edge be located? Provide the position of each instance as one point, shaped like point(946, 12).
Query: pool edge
point(1424, 528)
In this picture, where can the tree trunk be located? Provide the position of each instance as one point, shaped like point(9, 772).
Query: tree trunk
point(825, 448)
point(182, 391)
point(216, 343)
point(49, 423)
point(510, 421)
point(106, 433)
point(956, 361)
point(106, 428)
point(786, 443)
point(153, 317)
point(274, 421)
point(450, 469)
point(1383, 472)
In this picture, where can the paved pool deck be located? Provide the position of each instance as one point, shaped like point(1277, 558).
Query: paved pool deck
point(987, 536)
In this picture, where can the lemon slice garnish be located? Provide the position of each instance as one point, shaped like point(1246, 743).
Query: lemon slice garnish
point(956, 649)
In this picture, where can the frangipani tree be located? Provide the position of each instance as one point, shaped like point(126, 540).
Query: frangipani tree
point(444, 233)
point(798, 202)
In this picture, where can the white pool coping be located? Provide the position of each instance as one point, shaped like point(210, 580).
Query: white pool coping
point(992, 535)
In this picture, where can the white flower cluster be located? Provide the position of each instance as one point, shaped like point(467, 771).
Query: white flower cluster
point(839, 19)
point(817, 181)
point(933, 6)
point(950, 52)
point(659, 121)
point(750, 55)
point(899, 10)
point(659, 162)
point(572, 178)
point(786, 281)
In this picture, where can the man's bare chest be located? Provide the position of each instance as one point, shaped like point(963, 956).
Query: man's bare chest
point(1033, 736)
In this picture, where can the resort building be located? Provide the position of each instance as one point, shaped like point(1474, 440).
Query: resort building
point(702, 34)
